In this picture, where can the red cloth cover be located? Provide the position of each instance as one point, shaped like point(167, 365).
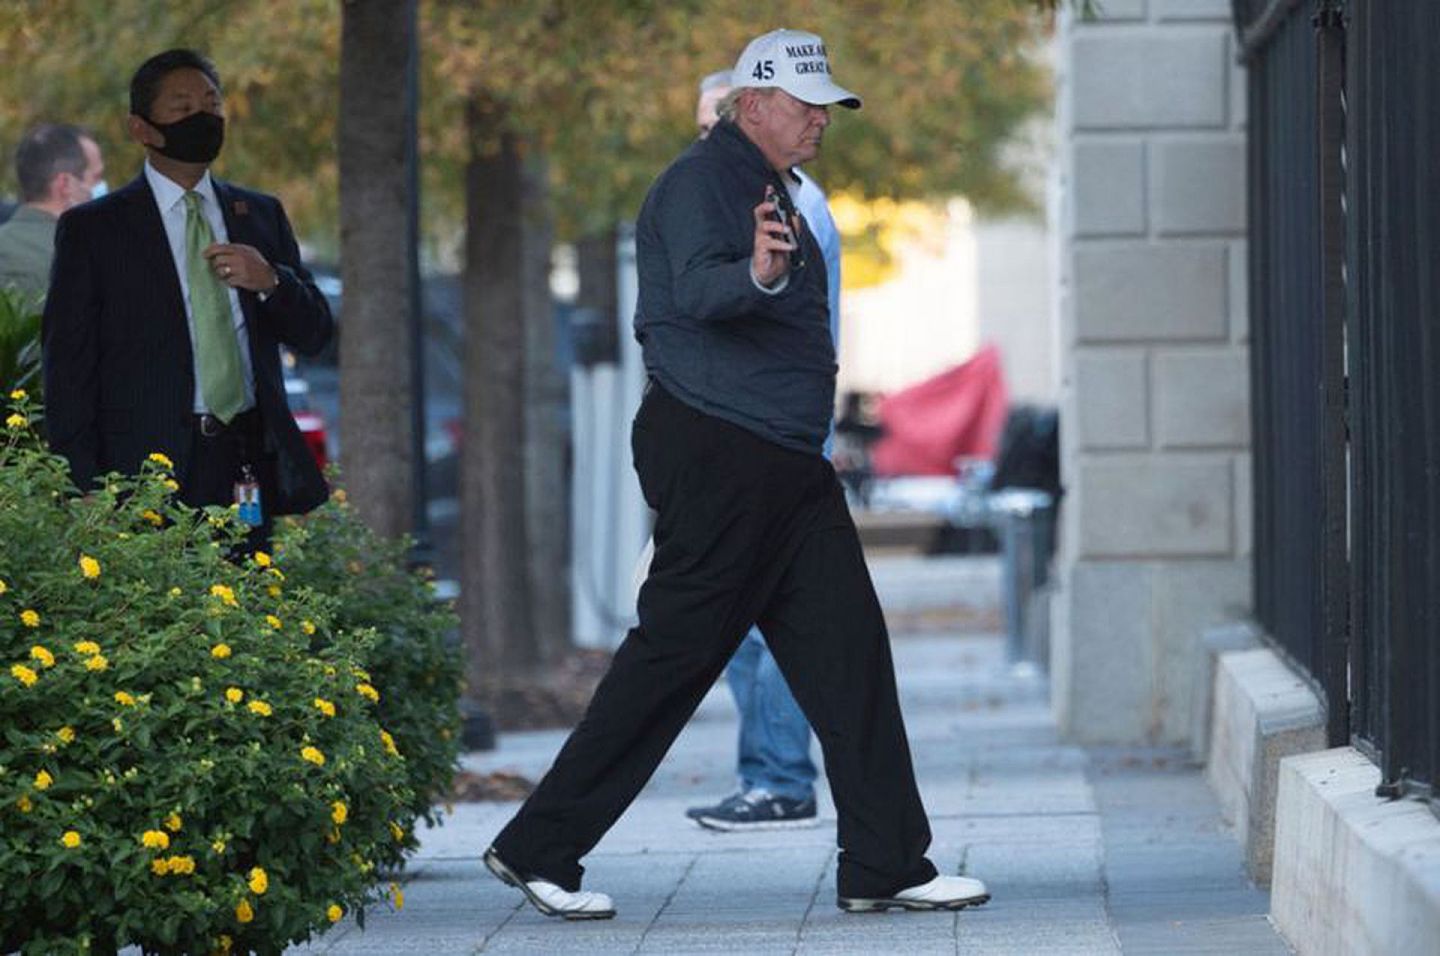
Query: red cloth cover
point(959, 412)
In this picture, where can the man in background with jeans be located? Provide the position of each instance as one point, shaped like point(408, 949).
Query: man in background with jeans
point(776, 774)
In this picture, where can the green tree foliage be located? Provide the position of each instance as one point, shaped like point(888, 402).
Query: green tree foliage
point(607, 92)
point(605, 89)
point(71, 61)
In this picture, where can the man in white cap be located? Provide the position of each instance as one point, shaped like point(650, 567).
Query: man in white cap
point(752, 526)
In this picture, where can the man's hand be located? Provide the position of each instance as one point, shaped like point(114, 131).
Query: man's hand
point(771, 258)
point(241, 267)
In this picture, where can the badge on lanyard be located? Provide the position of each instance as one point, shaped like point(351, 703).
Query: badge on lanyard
point(247, 497)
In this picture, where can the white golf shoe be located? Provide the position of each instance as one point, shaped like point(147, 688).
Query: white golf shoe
point(548, 898)
point(941, 893)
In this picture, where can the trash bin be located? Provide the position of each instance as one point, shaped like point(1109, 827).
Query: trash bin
point(1024, 519)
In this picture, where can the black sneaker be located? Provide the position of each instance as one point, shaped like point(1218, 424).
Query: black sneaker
point(756, 810)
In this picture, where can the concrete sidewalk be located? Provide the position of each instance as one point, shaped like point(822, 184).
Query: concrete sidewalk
point(1085, 851)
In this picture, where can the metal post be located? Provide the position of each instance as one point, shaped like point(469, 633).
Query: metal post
point(1335, 569)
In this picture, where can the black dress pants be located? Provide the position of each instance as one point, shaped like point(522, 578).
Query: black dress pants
point(747, 532)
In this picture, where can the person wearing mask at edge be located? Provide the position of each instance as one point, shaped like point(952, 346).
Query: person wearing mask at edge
point(773, 765)
point(169, 300)
point(58, 167)
point(752, 525)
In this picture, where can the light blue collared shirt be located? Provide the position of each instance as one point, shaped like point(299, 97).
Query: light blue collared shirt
point(170, 198)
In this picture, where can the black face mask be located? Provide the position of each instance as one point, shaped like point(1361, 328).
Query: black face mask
point(195, 139)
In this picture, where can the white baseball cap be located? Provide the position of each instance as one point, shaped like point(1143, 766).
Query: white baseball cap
point(795, 62)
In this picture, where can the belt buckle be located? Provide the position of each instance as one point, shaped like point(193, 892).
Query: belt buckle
point(210, 426)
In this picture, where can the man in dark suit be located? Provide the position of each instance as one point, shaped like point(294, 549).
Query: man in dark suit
point(168, 301)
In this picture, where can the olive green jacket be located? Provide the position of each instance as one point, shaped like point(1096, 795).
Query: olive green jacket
point(27, 243)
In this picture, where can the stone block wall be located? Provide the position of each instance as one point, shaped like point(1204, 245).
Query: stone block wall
point(1154, 363)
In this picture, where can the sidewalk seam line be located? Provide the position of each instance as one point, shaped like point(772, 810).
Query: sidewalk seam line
point(814, 895)
point(640, 943)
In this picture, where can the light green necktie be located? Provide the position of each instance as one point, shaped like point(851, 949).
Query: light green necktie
point(222, 383)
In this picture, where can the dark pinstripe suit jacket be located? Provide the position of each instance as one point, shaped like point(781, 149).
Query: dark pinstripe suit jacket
point(119, 370)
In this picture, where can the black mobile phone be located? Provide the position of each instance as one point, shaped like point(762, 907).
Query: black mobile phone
point(780, 214)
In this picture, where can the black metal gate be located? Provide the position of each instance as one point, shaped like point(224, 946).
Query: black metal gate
point(1344, 291)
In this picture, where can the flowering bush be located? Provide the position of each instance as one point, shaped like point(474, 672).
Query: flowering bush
point(415, 673)
point(19, 340)
point(192, 756)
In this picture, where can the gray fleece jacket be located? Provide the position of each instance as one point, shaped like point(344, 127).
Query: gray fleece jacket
point(709, 335)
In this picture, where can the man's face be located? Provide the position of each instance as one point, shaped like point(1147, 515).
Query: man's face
point(77, 189)
point(182, 92)
point(705, 115)
point(787, 130)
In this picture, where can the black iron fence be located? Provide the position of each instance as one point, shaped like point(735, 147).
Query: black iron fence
point(1344, 178)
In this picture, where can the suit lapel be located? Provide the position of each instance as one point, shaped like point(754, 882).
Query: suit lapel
point(154, 245)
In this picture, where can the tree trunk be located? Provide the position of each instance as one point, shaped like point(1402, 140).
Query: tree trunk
point(495, 593)
point(375, 347)
point(547, 438)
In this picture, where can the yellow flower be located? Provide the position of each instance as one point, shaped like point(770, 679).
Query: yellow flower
point(333, 913)
point(234, 695)
point(124, 699)
point(152, 516)
point(89, 567)
point(313, 755)
point(161, 459)
point(182, 864)
point(307, 627)
point(262, 559)
point(18, 395)
point(43, 780)
point(160, 866)
point(66, 734)
point(368, 692)
point(173, 823)
point(259, 882)
point(3, 586)
point(118, 725)
point(274, 591)
point(24, 804)
point(260, 708)
point(277, 574)
point(339, 812)
point(340, 495)
point(29, 618)
point(397, 831)
point(398, 895)
point(224, 593)
point(16, 421)
point(155, 839)
point(325, 707)
point(220, 651)
point(42, 655)
point(175, 592)
point(96, 663)
point(23, 674)
point(87, 647)
point(389, 743)
point(70, 840)
point(243, 912)
point(273, 621)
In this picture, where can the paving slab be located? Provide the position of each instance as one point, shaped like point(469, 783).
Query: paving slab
point(1104, 851)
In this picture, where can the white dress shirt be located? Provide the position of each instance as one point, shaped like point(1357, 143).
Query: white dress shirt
point(170, 198)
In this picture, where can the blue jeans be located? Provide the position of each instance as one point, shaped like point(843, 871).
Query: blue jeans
point(774, 734)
